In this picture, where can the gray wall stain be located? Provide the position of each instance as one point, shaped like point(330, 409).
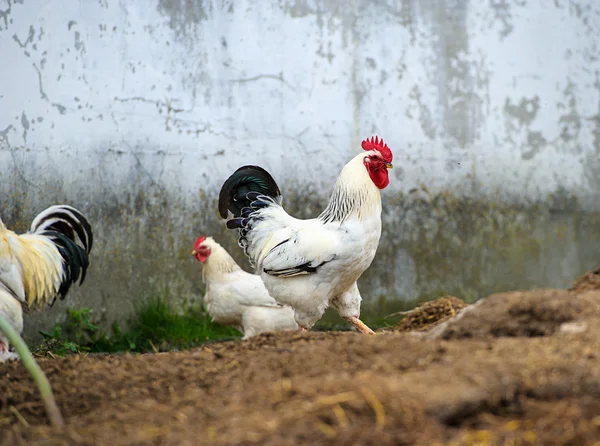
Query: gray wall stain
point(5, 13)
point(185, 13)
point(28, 40)
point(25, 125)
point(524, 112)
point(453, 71)
point(535, 143)
point(570, 121)
point(503, 13)
point(425, 117)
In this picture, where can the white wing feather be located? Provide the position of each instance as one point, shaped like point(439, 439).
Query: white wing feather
point(282, 245)
point(249, 290)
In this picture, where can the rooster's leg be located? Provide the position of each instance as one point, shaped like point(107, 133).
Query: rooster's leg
point(360, 325)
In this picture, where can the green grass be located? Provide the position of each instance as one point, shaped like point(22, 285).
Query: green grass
point(156, 326)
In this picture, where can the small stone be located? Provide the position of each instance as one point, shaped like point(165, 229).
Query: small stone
point(573, 327)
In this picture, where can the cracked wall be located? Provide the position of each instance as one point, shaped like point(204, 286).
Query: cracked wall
point(137, 114)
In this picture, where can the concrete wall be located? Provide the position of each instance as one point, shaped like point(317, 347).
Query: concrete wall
point(136, 112)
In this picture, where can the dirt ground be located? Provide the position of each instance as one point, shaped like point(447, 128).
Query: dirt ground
point(429, 314)
point(516, 368)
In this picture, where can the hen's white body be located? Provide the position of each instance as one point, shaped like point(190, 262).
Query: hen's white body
point(240, 299)
point(332, 250)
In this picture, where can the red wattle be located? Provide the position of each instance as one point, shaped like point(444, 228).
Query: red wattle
point(379, 175)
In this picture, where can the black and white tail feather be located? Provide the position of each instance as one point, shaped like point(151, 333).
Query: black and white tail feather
point(246, 191)
point(66, 220)
point(65, 225)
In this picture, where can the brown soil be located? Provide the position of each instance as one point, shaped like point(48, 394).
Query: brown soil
point(589, 281)
point(429, 314)
point(517, 368)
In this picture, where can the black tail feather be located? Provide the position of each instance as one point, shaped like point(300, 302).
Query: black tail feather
point(243, 188)
point(246, 212)
point(75, 260)
point(236, 223)
point(260, 204)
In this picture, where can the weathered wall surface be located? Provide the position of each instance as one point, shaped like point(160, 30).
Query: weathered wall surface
point(137, 112)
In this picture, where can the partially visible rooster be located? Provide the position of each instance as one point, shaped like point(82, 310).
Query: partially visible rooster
point(235, 297)
point(41, 265)
point(311, 264)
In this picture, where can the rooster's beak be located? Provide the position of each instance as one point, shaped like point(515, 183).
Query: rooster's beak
point(388, 165)
point(194, 252)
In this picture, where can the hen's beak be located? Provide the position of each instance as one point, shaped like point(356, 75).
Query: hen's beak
point(388, 165)
point(194, 252)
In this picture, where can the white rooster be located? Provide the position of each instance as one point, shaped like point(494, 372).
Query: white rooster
point(41, 265)
point(235, 297)
point(311, 264)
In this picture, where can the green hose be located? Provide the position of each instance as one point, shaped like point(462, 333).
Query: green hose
point(36, 372)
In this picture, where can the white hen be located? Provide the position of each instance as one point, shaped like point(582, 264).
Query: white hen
point(237, 298)
point(311, 264)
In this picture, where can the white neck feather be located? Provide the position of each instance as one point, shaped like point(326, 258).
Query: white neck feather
point(219, 262)
point(354, 194)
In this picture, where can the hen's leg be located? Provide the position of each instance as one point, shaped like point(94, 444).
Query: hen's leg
point(360, 325)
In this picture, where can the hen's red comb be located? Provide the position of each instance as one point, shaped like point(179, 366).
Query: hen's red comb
point(199, 241)
point(377, 144)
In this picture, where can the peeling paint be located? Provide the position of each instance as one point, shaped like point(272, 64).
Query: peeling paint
point(27, 41)
point(504, 15)
point(5, 13)
point(525, 112)
point(79, 45)
point(25, 125)
point(535, 143)
point(181, 13)
point(570, 121)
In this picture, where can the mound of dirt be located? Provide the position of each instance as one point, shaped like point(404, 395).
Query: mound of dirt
point(520, 313)
point(589, 281)
point(429, 314)
point(487, 378)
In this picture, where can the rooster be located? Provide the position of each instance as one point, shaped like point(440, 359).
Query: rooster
point(235, 297)
point(42, 264)
point(312, 264)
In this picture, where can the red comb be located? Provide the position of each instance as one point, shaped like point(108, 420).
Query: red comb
point(377, 144)
point(199, 241)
